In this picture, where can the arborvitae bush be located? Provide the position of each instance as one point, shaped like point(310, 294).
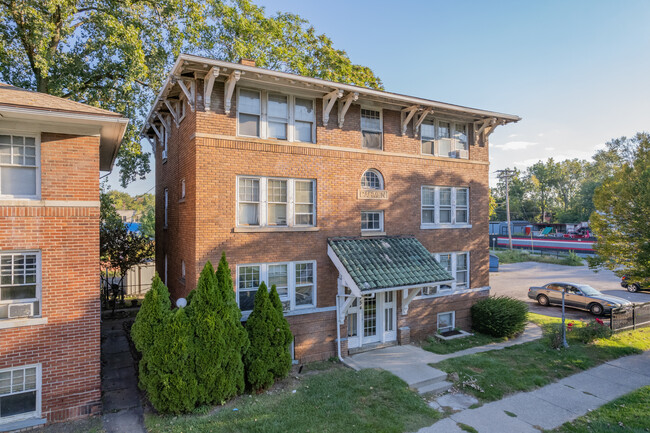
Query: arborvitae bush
point(261, 324)
point(281, 338)
point(500, 316)
point(155, 309)
point(234, 332)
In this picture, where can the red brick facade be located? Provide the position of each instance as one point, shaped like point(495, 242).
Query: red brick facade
point(206, 152)
point(63, 225)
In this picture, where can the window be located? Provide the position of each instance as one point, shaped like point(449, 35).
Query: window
point(272, 115)
point(182, 189)
point(250, 112)
point(372, 221)
point(446, 321)
point(371, 129)
point(372, 179)
point(183, 270)
point(19, 166)
point(294, 281)
point(445, 138)
point(444, 207)
point(165, 269)
point(166, 219)
point(273, 202)
point(457, 264)
point(20, 284)
point(20, 393)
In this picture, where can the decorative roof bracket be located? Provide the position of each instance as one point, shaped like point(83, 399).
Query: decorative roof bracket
point(343, 311)
point(412, 293)
point(328, 103)
point(344, 105)
point(419, 119)
point(208, 84)
point(230, 89)
point(173, 108)
point(164, 120)
point(157, 131)
point(407, 115)
point(189, 92)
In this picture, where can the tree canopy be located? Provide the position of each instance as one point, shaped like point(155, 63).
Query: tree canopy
point(114, 54)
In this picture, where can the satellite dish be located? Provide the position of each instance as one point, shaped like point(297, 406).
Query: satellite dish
point(181, 302)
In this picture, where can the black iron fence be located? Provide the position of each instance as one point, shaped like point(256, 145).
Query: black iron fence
point(630, 317)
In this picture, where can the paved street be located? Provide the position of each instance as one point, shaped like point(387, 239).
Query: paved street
point(515, 279)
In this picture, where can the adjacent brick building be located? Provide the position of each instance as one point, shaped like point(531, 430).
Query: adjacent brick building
point(51, 152)
point(275, 169)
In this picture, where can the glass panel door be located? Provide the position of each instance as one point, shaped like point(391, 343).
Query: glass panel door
point(390, 327)
point(370, 319)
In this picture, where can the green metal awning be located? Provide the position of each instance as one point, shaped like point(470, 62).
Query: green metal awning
point(391, 262)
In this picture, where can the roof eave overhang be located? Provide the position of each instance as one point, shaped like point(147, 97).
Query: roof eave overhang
point(111, 128)
point(407, 287)
point(204, 64)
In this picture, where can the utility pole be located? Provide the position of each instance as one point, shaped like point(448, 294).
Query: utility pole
point(507, 174)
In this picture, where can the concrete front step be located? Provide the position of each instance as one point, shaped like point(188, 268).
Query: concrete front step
point(418, 375)
point(436, 388)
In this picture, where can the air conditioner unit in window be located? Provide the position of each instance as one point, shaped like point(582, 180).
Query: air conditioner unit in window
point(21, 310)
point(462, 154)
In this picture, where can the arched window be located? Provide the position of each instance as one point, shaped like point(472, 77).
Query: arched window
point(372, 179)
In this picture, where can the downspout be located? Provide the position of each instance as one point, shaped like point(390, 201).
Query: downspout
point(338, 337)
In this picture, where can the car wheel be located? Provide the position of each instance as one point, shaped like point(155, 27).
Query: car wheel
point(633, 287)
point(543, 300)
point(596, 309)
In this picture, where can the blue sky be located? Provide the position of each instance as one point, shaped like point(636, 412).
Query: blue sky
point(577, 72)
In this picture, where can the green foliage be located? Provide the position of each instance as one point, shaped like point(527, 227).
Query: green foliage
point(519, 256)
point(594, 330)
point(500, 316)
point(621, 219)
point(282, 338)
point(148, 223)
point(114, 55)
point(152, 316)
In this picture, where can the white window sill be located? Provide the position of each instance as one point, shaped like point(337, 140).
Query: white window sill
point(17, 323)
point(274, 229)
point(372, 233)
point(22, 424)
point(444, 226)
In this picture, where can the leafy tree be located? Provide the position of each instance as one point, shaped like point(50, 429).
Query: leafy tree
point(543, 177)
point(148, 223)
point(620, 221)
point(281, 339)
point(261, 327)
point(114, 54)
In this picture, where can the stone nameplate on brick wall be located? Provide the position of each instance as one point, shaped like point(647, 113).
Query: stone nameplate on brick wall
point(372, 194)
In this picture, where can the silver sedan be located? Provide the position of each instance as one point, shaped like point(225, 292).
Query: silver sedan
point(580, 296)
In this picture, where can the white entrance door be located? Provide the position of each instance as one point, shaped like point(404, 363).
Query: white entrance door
point(372, 319)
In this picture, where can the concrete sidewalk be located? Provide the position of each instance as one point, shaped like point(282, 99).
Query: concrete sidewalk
point(553, 405)
point(411, 363)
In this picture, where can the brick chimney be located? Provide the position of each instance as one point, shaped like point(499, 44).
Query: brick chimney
point(247, 62)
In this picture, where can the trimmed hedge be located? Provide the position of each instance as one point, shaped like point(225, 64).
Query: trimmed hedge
point(500, 316)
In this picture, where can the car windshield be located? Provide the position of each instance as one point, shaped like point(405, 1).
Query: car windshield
point(589, 291)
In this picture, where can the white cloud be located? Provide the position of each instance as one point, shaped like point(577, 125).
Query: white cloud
point(513, 135)
point(527, 162)
point(548, 149)
point(541, 134)
point(515, 145)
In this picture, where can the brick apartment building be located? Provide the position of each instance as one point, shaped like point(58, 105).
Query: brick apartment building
point(51, 152)
point(366, 208)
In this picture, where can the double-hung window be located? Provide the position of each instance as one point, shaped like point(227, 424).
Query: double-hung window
point(295, 282)
point(445, 138)
point(443, 206)
point(457, 264)
point(20, 284)
point(371, 128)
point(20, 393)
point(166, 211)
point(265, 114)
point(275, 202)
point(19, 166)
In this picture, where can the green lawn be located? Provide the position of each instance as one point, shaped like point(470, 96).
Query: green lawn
point(518, 256)
point(443, 347)
point(492, 375)
point(627, 414)
point(339, 400)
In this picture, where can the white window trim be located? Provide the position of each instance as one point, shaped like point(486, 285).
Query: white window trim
point(378, 231)
point(453, 319)
point(182, 270)
point(454, 287)
point(37, 141)
point(183, 192)
point(263, 203)
point(264, 118)
point(436, 208)
point(452, 126)
point(39, 296)
point(39, 387)
point(379, 175)
point(166, 208)
point(381, 125)
point(291, 283)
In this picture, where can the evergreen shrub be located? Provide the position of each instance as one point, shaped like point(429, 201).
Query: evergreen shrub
point(500, 316)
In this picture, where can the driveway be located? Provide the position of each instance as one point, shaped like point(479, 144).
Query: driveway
point(515, 279)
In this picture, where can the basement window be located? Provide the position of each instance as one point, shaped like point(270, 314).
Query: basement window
point(20, 393)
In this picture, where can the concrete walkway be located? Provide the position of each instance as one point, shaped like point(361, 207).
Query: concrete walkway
point(411, 364)
point(551, 406)
point(121, 399)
